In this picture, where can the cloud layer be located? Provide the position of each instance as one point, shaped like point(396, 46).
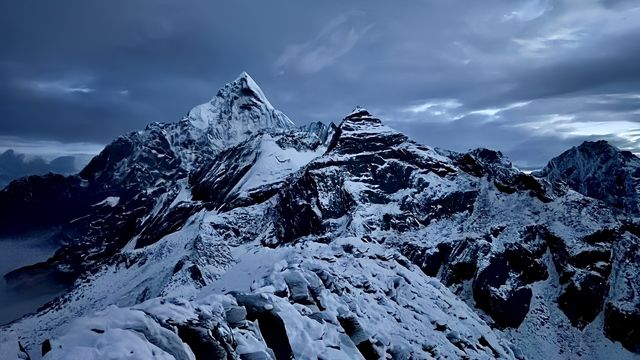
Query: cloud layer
point(527, 77)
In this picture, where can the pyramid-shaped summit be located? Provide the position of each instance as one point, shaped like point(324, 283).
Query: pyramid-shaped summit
point(238, 109)
point(361, 115)
point(361, 131)
point(359, 111)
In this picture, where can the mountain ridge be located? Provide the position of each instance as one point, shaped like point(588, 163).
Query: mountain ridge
point(319, 240)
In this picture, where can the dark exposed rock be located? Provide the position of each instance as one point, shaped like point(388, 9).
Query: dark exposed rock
point(322, 131)
point(516, 266)
point(297, 210)
point(275, 334)
point(214, 181)
point(502, 288)
point(202, 343)
point(621, 325)
point(196, 275)
point(46, 347)
point(23, 352)
point(586, 277)
point(179, 265)
point(449, 205)
point(526, 264)
point(271, 325)
point(429, 260)
point(492, 164)
point(572, 301)
point(39, 202)
point(359, 337)
point(507, 305)
point(621, 312)
point(602, 236)
point(169, 220)
point(461, 263)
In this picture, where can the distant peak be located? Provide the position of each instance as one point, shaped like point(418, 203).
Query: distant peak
point(244, 85)
point(244, 75)
point(599, 170)
point(359, 113)
point(361, 116)
point(599, 144)
point(595, 149)
point(245, 80)
point(488, 155)
point(590, 156)
point(239, 108)
point(360, 131)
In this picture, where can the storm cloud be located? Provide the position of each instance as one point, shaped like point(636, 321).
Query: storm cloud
point(529, 78)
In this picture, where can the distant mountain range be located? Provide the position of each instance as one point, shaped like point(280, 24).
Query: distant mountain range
point(14, 165)
point(234, 234)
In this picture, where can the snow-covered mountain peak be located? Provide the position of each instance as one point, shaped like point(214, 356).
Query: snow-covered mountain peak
point(362, 120)
point(247, 86)
point(360, 130)
point(599, 170)
point(358, 109)
point(595, 149)
point(238, 109)
point(590, 156)
point(359, 113)
point(600, 150)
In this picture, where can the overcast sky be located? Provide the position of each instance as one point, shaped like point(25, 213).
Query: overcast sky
point(530, 78)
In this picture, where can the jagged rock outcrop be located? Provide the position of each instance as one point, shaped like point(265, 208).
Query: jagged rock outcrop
point(472, 220)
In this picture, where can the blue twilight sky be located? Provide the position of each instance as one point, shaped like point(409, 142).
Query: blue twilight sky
point(529, 78)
